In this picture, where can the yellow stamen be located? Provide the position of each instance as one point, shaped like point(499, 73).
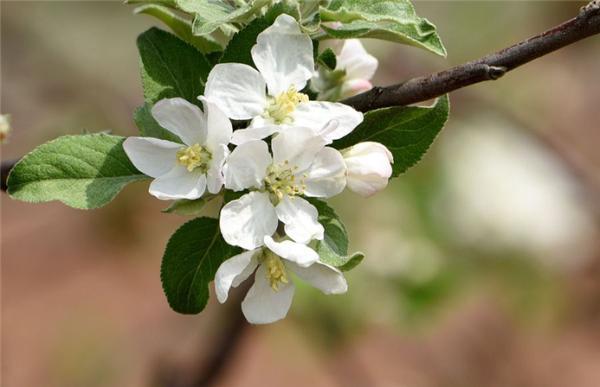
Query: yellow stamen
point(281, 180)
point(195, 156)
point(283, 105)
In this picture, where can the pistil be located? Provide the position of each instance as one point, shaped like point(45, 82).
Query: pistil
point(276, 273)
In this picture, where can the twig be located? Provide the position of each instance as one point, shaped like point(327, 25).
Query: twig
point(5, 170)
point(219, 359)
point(490, 67)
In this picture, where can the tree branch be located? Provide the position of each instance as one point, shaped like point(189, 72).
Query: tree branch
point(6, 166)
point(490, 67)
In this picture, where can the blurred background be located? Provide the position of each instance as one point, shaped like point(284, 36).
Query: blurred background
point(482, 263)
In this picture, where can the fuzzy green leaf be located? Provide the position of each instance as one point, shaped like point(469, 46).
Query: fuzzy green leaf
point(393, 20)
point(170, 67)
point(180, 26)
point(211, 15)
point(190, 262)
point(186, 207)
point(406, 131)
point(208, 9)
point(327, 58)
point(352, 261)
point(164, 3)
point(85, 171)
point(333, 249)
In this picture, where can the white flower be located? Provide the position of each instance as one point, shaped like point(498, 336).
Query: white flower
point(359, 65)
point(283, 56)
point(301, 165)
point(352, 74)
point(4, 127)
point(183, 171)
point(368, 167)
point(270, 297)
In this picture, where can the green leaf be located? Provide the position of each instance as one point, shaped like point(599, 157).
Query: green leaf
point(352, 261)
point(186, 207)
point(238, 49)
point(406, 131)
point(165, 3)
point(180, 26)
point(191, 259)
point(393, 20)
point(333, 249)
point(171, 67)
point(327, 58)
point(85, 171)
point(211, 15)
point(209, 9)
point(149, 127)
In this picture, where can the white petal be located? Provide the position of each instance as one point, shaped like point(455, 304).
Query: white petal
point(241, 136)
point(151, 156)
point(292, 251)
point(262, 304)
point(234, 271)
point(366, 185)
point(367, 148)
point(284, 55)
point(368, 167)
point(298, 146)
point(246, 167)
point(214, 175)
point(182, 118)
point(237, 89)
point(324, 277)
point(326, 176)
point(219, 129)
point(245, 222)
point(300, 218)
point(260, 121)
point(179, 183)
point(317, 114)
point(357, 62)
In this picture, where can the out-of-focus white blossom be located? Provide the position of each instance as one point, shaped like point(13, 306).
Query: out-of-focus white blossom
point(506, 191)
point(5, 127)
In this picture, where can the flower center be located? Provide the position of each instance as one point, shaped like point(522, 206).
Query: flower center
point(195, 156)
point(282, 181)
point(276, 273)
point(282, 106)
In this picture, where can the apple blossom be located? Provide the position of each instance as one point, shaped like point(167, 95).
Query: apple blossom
point(271, 97)
point(183, 171)
point(301, 165)
point(270, 297)
point(368, 167)
point(4, 127)
point(352, 74)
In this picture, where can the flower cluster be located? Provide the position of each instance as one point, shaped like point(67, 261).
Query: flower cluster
point(281, 158)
